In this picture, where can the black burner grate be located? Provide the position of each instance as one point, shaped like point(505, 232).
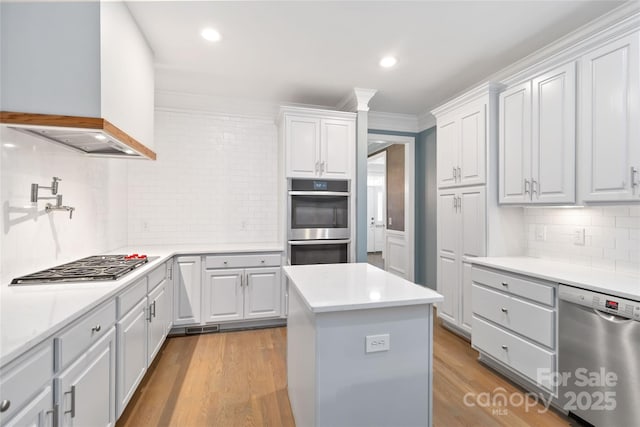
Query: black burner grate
point(97, 267)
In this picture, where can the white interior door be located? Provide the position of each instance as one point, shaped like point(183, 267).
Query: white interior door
point(371, 219)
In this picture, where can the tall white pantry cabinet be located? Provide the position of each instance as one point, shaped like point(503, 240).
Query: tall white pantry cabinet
point(467, 156)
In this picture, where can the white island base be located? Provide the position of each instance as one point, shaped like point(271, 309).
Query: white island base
point(332, 379)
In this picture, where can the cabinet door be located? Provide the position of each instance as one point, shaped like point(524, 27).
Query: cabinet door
point(514, 135)
point(187, 283)
point(448, 224)
point(447, 151)
point(263, 293)
point(472, 225)
point(448, 285)
point(86, 389)
point(473, 145)
point(38, 413)
point(157, 321)
point(553, 156)
point(337, 148)
point(223, 295)
point(302, 136)
point(132, 353)
point(611, 124)
point(169, 297)
point(466, 309)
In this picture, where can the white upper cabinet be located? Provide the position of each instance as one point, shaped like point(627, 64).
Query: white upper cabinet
point(461, 147)
point(537, 139)
point(610, 125)
point(319, 144)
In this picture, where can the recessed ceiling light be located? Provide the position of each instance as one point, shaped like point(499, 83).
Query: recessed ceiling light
point(388, 61)
point(210, 34)
point(100, 137)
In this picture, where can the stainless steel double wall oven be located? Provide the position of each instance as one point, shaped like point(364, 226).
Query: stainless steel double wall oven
point(318, 216)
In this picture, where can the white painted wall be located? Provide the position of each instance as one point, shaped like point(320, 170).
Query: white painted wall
point(612, 236)
point(32, 239)
point(215, 181)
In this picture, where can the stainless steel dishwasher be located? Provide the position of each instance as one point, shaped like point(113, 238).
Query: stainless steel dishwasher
point(599, 357)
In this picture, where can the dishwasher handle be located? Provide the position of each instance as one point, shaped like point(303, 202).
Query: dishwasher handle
point(613, 318)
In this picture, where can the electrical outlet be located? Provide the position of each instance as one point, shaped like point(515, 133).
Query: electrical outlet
point(390, 221)
point(578, 236)
point(541, 233)
point(376, 343)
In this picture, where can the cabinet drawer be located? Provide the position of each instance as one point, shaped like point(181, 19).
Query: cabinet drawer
point(85, 332)
point(129, 298)
point(531, 320)
point(524, 357)
point(527, 288)
point(25, 378)
point(239, 261)
point(157, 276)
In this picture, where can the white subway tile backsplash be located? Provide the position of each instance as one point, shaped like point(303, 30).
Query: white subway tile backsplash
point(215, 180)
point(33, 239)
point(612, 236)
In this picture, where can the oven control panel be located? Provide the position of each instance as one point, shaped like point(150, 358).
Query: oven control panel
point(603, 302)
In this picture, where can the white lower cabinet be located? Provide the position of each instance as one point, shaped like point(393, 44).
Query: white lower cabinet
point(86, 389)
point(141, 331)
point(38, 413)
point(515, 323)
point(461, 233)
point(187, 284)
point(253, 293)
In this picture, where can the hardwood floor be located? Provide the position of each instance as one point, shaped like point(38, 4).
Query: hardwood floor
point(239, 379)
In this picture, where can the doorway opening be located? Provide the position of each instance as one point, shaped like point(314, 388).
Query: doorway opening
point(376, 208)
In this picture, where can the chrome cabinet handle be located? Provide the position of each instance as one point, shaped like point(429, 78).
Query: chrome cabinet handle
point(504, 347)
point(149, 314)
point(262, 261)
point(533, 188)
point(634, 183)
point(72, 392)
point(4, 405)
point(459, 174)
point(322, 166)
point(504, 310)
point(454, 173)
point(526, 186)
point(225, 262)
point(455, 204)
point(96, 328)
point(505, 284)
point(460, 203)
point(153, 309)
point(54, 414)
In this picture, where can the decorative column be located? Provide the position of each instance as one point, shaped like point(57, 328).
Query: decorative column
point(358, 102)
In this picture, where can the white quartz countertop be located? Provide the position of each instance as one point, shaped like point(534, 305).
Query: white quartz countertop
point(341, 287)
point(30, 314)
point(604, 281)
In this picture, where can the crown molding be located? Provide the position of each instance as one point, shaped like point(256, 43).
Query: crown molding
point(619, 21)
point(208, 104)
point(392, 121)
point(474, 94)
point(426, 121)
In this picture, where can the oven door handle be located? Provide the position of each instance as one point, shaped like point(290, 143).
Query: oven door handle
point(318, 193)
point(317, 242)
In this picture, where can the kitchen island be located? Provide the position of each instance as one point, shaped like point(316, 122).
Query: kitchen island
point(359, 347)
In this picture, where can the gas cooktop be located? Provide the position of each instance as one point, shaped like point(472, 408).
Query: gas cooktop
point(93, 268)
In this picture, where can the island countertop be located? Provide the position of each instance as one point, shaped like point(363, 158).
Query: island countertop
point(355, 286)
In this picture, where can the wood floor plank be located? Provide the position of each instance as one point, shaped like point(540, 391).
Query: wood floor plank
point(239, 379)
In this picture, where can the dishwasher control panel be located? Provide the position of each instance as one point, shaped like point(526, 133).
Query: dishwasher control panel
point(603, 302)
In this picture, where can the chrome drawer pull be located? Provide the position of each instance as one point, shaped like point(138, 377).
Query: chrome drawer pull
point(72, 411)
point(504, 347)
point(505, 284)
point(4, 405)
point(96, 328)
point(504, 310)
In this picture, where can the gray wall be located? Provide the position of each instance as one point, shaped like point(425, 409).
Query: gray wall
point(426, 208)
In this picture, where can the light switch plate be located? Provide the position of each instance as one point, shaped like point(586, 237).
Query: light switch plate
point(578, 236)
point(541, 233)
point(376, 343)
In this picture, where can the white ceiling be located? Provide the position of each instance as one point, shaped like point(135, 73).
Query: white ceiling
point(316, 52)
